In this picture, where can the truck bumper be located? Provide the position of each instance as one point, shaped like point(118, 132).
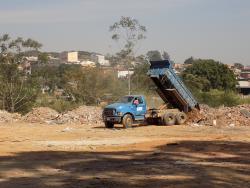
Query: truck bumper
point(114, 119)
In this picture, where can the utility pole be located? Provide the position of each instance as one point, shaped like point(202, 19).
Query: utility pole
point(129, 83)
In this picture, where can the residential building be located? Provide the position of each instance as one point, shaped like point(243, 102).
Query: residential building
point(98, 58)
point(87, 63)
point(124, 73)
point(69, 57)
point(245, 73)
point(244, 81)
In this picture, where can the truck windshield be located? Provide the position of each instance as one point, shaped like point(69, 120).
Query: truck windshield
point(126, 99)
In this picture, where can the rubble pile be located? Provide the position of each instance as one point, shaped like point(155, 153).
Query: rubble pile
point(6, 117)
point(222, 116)
point(82, 115)
point(40, 115)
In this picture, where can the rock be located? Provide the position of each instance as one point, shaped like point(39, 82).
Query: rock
point(245, 112)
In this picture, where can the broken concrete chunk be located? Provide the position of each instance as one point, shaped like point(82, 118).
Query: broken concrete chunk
point(245, 113)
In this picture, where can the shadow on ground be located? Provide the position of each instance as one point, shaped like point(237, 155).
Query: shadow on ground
point(182, 164)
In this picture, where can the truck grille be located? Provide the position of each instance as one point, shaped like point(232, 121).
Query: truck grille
point(109, 112)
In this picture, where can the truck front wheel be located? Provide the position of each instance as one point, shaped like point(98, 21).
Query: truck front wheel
point(127, 121)
point(109, 125)
point(169, 119)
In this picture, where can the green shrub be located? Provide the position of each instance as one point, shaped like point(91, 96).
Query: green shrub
point(59, 105)
point(244, 100)
point(216, 98)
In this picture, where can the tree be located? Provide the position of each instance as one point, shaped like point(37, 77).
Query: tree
point(17, 90)
point(127, 32)
point(155, 55)
point(88, 85)
point(47, 76)
point(140, 80)
point(189, 61)
point(238, 66)
point(165, 55)
point(196, 83)
point(218, 74)
point(43, 58)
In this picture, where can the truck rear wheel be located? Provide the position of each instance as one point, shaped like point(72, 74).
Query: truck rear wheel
point(127, 121)
point(181, 118)
point(109, 125)
point(169, 119)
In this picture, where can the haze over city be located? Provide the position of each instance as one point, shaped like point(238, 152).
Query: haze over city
point(201, 28)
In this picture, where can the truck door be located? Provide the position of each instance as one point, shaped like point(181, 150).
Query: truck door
point(140, 108)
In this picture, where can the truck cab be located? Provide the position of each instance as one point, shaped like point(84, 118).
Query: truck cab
point(126, 111)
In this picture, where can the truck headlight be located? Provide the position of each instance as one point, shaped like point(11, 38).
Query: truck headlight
point(119, 113)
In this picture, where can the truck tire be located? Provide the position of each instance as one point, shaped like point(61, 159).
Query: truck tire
point(169, 119)
point(109, 125)
point(181, 118)
point(127, 121)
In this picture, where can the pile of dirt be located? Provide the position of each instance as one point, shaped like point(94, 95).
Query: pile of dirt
point(6, 117)
point(195, 116)
point(222, 116)
point(82, 115)
point(40, 115)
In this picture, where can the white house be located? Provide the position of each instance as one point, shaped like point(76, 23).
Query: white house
point(124, 73)
point(100, 59)
point(87, 63)
point(70, 57)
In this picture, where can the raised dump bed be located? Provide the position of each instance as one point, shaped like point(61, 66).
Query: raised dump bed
point(170, 87)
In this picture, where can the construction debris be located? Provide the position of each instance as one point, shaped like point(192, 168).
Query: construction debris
point(82, 115)
point(6, 117)
point(40, 115)
point(222, 116)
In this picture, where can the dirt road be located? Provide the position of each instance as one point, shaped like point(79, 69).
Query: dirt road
point(41, 156)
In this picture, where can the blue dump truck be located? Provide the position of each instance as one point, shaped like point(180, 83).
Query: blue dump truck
point(133, 108)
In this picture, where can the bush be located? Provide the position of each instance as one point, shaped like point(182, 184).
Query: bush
point(216, 98)
point(59, 105)
point(245, 100)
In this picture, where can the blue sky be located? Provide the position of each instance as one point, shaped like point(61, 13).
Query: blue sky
point(218, 29)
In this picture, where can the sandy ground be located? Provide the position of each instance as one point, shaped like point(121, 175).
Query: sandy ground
point(41, 156)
